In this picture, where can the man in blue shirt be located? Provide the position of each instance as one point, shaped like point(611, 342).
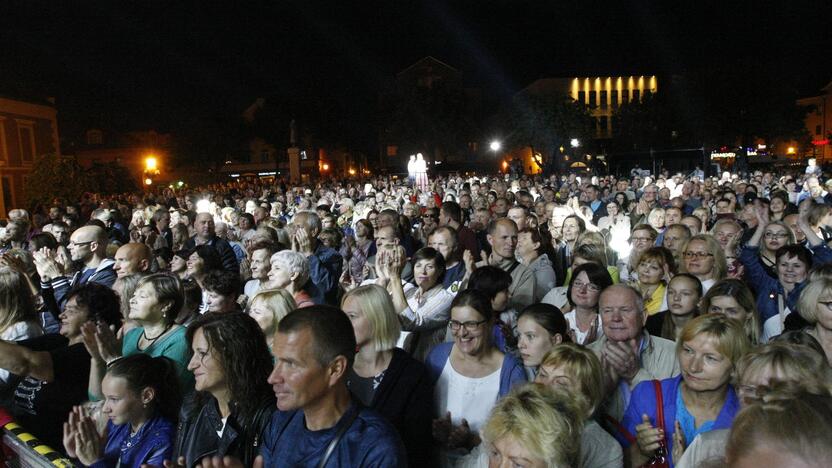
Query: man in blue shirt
point(324, 262)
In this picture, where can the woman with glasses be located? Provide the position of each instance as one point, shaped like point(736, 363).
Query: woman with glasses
point(642, 238)
point(703, 257)
point(471, 375)
point(776, 234)
point(584, 289)
point(699, 400)
point(777, 298)
point(757, 372)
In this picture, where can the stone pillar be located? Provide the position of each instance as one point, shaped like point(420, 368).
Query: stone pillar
point(294, 164)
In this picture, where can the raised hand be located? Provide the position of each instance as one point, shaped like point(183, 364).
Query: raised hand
point(88, 443)
point(461, 436)
point(622, 359)
point(108, 345)
point(442, 428)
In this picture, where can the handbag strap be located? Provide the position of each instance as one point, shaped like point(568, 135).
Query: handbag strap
point(657, 385)
point(334, 442)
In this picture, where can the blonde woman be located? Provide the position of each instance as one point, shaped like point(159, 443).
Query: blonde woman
point(18, 318)
point(704, 258)
point(815, 306)
point(386, 378)
point(708, 349)
point(536, 424)
point(268, 307)
point(577, 370)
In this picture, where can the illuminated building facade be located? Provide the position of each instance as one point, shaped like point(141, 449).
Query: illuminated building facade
point(28, 129)
point(819, 124)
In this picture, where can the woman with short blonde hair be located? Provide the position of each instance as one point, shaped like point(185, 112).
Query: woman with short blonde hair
point(268, 307)
point(703, 257)
point(386, 378)
point(577, 370)
point(536, 423)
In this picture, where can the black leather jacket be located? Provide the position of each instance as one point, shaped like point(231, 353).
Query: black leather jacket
point(199, 421)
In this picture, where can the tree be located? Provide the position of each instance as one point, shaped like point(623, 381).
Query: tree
point(547, 123)
point(110, 178)
point(53, 176)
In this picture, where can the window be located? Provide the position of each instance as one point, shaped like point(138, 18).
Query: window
point(614, 98)
point(8, 198)
point(603, 99)
point(95, 137)
point(472, 146)
point(625, 96)
point(582, 96)
point(592, 97)
point(26, 133)
point(392, 150)
point(603, 125)
point(817, 129)
point(636, 95)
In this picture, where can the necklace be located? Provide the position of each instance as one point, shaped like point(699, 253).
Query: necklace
point(150, 341)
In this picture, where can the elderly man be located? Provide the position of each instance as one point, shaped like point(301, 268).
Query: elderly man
point(324, 262)
point(502, 236)
point(88, 246)
point(134, 257)
point(317, 422)
point(628, 353)
point(206, 234)
point(260, 264)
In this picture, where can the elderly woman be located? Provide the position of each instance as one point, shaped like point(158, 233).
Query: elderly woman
point(534, 426)
point(290, 271)
point(732, 298)
point(704, 258)
point(757, 372)
point(471, 375)
point(663, 417)
point(776, 298)
point(386, 378)
point(423, 308)
point(577, 370)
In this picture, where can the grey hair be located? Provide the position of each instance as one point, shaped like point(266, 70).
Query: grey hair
point(293, 262)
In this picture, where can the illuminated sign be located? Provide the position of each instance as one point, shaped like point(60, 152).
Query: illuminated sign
point(723, 155)
point(820, 142)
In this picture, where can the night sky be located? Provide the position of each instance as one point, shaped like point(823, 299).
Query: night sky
point(165, 64)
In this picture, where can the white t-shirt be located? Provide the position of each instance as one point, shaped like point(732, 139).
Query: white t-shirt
point(580, 336)
point(465, 397)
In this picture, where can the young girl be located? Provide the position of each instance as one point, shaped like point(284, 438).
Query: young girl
point(142, 400)
point(541, 327)
point(655, 266)
point(683, 294)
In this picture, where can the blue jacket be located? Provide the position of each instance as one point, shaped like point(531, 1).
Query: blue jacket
point(511, 374)
point(369, 441)
point(152, 445)
point(769, 288)
point(643, 401)
point(324, 271)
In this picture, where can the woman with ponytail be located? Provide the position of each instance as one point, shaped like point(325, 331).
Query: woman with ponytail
point(141, 401)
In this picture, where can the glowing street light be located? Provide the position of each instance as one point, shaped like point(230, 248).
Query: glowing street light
point(495, 145)
point(148, 181)
point(151, 163)
point(574, 143)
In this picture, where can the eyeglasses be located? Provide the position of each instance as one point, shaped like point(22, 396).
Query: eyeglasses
point(78, 244)
point(455, 325)
point(774, 235)
point(591, 287)
point(698, 255)
point(641, 239)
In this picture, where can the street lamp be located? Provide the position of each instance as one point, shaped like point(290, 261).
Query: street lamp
point(150, 163)
point(574, 143)
point(495, 145)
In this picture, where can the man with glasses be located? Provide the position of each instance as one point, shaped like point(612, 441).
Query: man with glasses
point(88, 247)
point(628, 353)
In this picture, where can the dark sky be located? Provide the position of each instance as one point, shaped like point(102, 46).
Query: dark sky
point(163, 64)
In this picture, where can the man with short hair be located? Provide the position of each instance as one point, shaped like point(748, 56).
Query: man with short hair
point(693, 223)
point(17, 233)
point(502, 236)
point(450, 214)
point(519, 214)
point(133, 257)
point(61, 232)
point(675, 237)
point(206, 234)
point(314, 349)
point(87, 245)
point(628, 354)
point(324, 262)
point(444, 240)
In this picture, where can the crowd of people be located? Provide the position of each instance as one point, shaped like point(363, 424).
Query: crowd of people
point(562, 321)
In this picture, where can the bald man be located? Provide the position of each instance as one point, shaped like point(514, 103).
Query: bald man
point(134, 257)
point(206, 234)
point(87, 245)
